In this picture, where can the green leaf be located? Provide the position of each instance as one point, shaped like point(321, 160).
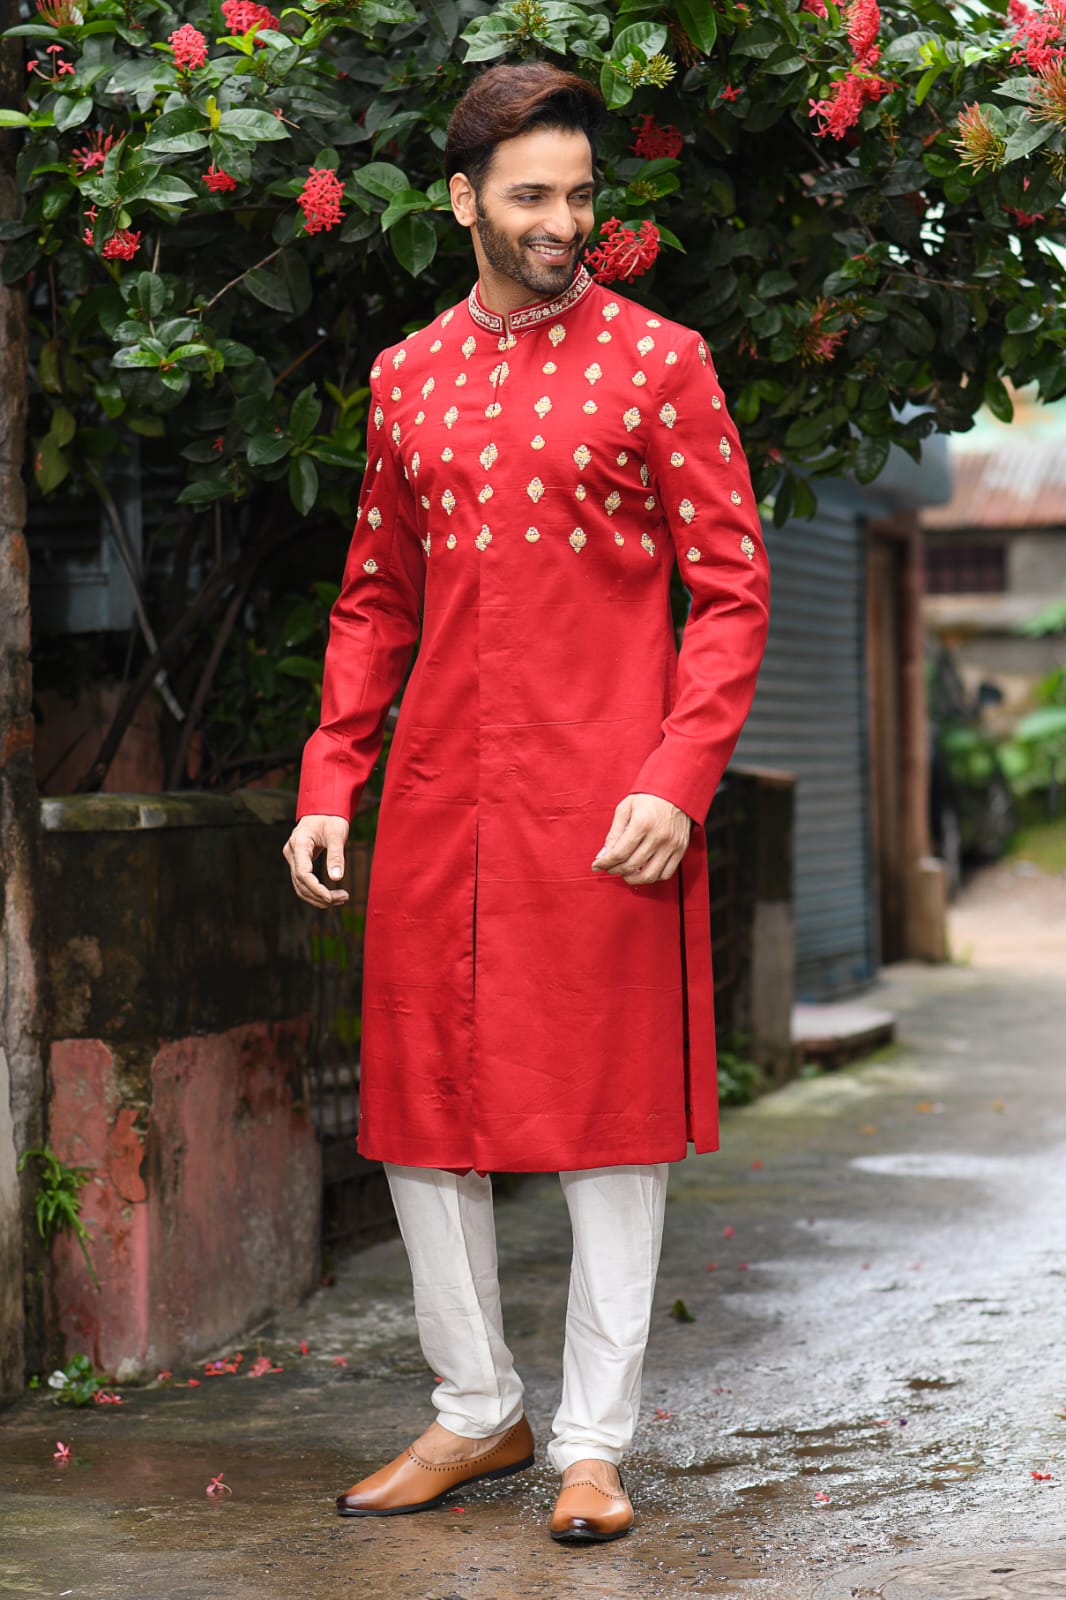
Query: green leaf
point(699, 22)
point(15, 119)
point(380, 178)
point(303, 483)
point(403, 202)
point(640, 39)
point(160, 188)
point(204, 491)
point(151, 293)
point(63, 426)
point(252, 126)
point(306, 410)
point(50, 465)
point(177, 132)
point(72, 113)
point(1026, 138)
point(414, 243)
point(616, 89)
point(300, 666)
point(268, 288)
point(266, 448)
point(998, 400)
point(870, 458)
point(136, 356)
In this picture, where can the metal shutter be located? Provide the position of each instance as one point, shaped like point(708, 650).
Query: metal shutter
point(809, 718)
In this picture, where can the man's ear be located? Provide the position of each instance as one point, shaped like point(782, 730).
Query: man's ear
point(464, 200)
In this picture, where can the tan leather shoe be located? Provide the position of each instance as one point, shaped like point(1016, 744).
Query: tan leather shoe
point(586, 1514)
point(411, 1484)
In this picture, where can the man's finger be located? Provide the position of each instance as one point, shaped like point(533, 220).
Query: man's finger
point(622, 813)
point(621, 847)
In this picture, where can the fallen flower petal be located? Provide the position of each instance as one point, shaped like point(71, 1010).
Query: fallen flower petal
point(342, 1361)
point(822, 1499)
point(217, 1487)
point(262, 1365)
point(1041, 1477)
point(61, 1451)
point(727, 1232)
point(756, 1166)
point(194, 1383)
point(161, 1377)
point(661, 1415)
point(106, 1397)
point(712, 1266)
point(304, 1347)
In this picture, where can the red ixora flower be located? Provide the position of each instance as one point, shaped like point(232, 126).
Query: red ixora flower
point(1038, 37)
point(61, 1451)
point(863, 19)
point(93, 153)
point(217, 1487)
point(122, 246)
point(621, 254)
point(59, 13)
point(1023, 218)
point(189, 46)
point(841, 109)
point(817, 343)
point(218, 181)
point(815, 7)
point(320, 200)
point(242, 15)
point(653, 142)
point(729, 93)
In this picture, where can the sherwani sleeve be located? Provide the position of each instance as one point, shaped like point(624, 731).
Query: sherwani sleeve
point(373, 628)
point(701, 480)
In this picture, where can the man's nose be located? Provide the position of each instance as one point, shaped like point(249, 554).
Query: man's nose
point(560, 222)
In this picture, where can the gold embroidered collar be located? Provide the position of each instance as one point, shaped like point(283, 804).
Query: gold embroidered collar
point(529, 316)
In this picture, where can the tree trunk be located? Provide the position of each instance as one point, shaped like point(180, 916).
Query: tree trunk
point(21, 1044)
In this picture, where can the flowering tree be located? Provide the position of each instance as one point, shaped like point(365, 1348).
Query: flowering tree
point(228, 210)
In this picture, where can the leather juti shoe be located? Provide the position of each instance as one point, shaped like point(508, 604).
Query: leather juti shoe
point(410, 1484)
point(586, 1514)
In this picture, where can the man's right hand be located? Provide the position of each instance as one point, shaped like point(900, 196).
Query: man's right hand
point(306, 842)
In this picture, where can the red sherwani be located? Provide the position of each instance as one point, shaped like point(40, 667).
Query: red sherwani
point(530, 480)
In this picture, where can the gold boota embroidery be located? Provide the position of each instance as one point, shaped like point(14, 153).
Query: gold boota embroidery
point(416, 462)
point(489, 456)
point(747, 544)
point(653, 322)
point(399, 358)
point(590, 408)
point(582, 455)
point(379, 416)
point(671, 358)
point(594, 373)
point(537, 442)
point(677, 459)
point(640, 379)
point(396, 393)
point(425, 502)
point(668, 414)
point(716, 402)
point(483, 538)
point(485, 494)
point(370, 566)
point(693, 554)
point(435, 346)
point(612, 502)
point(426, 542)
point(375, 372)
point(549, 367)
point(542, 406)
point(451, 416)
point(451, 541)
point(619, 539)
point(460, 380)
point(649, 504)
point(621, 458)
point(396, 433)
point(686, 511)
point(534, 489)
point(557, 334)
point(725, 449)
point(447, 454)
point(631, 418)
point(493, 411)
point(580, 493)
point(578, 539)
point(645, 474)
point(603, 338)
point(644, 345)
point(373, 516)
point(468, 346)
point(611, 310)
point(499, 374)
point(735, 496)
point(647, 543)
point(447, 500)
point(532, 534)
point(420, 417)
point(428, 387)
point(701, 351)
point(447, 317)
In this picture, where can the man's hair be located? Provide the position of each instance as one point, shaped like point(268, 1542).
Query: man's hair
point(507, 101)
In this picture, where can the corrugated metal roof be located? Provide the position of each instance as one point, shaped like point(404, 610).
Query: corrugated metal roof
point(1020, 485)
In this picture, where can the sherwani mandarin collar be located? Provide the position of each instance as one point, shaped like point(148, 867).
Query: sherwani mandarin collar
point(531, 316)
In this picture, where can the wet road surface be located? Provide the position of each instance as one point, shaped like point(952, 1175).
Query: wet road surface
point(875, 1265)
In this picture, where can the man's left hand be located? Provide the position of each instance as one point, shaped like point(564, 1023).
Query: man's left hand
point(648, 837)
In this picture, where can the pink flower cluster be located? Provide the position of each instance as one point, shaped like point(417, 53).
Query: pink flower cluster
point(860, 86)
point(320, 200)
point(1038, 38)
point(816, 7)
point(190, 48)
point(241, 15)
point(621, 254)
point(218, 180)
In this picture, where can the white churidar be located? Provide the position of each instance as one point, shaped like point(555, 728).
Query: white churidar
point(616, 1214)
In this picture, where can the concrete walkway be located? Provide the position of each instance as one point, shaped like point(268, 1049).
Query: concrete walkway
point(876, 1269)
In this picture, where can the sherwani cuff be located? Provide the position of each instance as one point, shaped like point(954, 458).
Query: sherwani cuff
point(686, 779)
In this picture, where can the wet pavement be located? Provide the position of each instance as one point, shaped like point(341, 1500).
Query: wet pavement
point(867, 1405)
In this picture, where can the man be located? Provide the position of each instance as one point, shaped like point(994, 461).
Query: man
point(537, 996)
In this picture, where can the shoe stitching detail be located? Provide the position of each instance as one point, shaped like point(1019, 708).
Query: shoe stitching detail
point(452, 1466)
point(587, 1483)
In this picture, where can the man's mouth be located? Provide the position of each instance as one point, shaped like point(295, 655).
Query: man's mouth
point(552, 253)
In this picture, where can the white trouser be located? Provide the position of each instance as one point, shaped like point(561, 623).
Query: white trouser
point(616, 1214)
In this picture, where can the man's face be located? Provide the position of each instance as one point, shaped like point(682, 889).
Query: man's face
point(533, 211)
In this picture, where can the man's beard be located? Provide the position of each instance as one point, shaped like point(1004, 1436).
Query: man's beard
point(515, 261)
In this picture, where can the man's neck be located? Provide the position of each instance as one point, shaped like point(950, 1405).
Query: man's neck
point(503, 295)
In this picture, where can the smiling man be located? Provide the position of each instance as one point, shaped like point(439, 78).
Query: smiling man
point(537, 989)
